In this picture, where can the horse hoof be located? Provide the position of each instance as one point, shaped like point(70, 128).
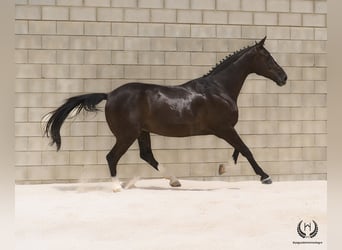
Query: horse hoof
point(267, 180)
point(175, 183)
point(222, 169)
point(117, 189)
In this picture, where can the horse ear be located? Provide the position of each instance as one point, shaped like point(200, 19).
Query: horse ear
point(262, 42)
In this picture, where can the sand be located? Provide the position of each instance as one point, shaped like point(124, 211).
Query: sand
point(198, 215)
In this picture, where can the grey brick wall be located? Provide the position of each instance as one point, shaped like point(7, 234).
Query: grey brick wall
point(68, 47)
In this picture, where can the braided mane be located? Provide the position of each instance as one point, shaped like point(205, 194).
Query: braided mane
point(224, 63)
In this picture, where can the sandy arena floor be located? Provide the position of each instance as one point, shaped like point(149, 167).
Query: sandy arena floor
point(199, 215)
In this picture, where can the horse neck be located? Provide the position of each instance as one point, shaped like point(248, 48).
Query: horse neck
point(232, 78)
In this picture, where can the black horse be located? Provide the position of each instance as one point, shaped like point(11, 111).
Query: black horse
point(203, 106)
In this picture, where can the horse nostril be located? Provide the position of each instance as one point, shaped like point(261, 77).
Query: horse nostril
point(285, 78)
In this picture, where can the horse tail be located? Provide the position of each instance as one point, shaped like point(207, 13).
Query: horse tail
point(87, 102)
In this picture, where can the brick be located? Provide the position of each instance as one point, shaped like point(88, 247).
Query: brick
point(151, 58)
point(42, 27)
point(28, 129)
point(228, 5)
point(254, 32)
point(109, 14)
point(82, 14)
point(215, 17)
point(70, 57)
point(314, 20)
point(256, 5)
point(55, 71)
point(290, 154)
point(70, 28)
point(55, 42)
point(238, 17)
point(163, 16)
point(98, 85)
point(28, 12)
point(265, 100)
point(202, 4)
point(229, 31)
point(302, 33)
point(124, 29)
point(187, 44)
point(203, 58)
point(82, 42)
point(110, 43)
point(278, 113)
point(69, 85)
point(148, 29)
point(302, 140)
point(278, 5)
point(83, 157)
point(109, 71)
point(20, 115)
point(278, 33)
point(163, 44)
point(215, 45)
point(137, 72)
point(70, 2)
point(135, 43)
point(137, 15)
point(97, 3)
point(252, 113)
point(302, 87)
point(21, 27)
point(98, 28)
point(321, 7)
point(314, 127)
point(321, 60)
point(177, 4)
point(314, 47)
point(204, 31)
point(177, 58)
point(28, 100)
point(55, 158)
point(302, 60)
point(42, 2)
point(301, 113)
point(28, 158)
point(177, 30)
point(321, 34)
point(20, 2)
point(290, 46)
point(315, 154)
point(314, 74)
point(124, 57)
point(163, 72)
point(150, 4)
point(290, 100)
point(314, 100)
point(28, 71)
point(290, 19)
point(97, 57)
point(321, 113)
point(265, 18)
point(20, 56)
point(82, 71)
point(190, 72)
point(124, 3)
point(302, 6)
point(189, 16)
point(42, 56)
point(55, 13)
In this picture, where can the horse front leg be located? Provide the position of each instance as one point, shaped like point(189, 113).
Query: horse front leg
point(232, 137)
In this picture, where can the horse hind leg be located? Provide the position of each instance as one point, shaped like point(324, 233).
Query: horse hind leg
point(121, 146)
point(146, 154)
